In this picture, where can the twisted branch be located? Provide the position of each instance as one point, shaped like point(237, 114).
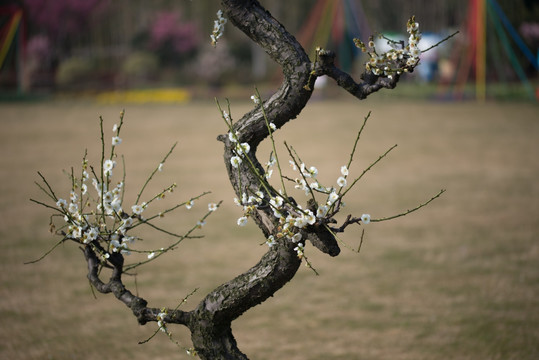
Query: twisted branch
point(369, 83)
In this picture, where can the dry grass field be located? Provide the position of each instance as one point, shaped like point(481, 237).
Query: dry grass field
point(458, 279)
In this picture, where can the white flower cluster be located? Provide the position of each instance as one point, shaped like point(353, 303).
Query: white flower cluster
point(299, 250)
point(255, 99)
point(105, 225)
point(293, 219)
point(391, 62)
point(161, 320)
point(240, 149)
point(218, 28)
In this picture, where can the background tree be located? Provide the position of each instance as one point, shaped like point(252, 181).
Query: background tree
point(285, 224)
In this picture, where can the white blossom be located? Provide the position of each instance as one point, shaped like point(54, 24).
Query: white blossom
point(235, 161)
point(310, 172)
point(292, 165)
point(138, 209)
point(332, 198)
point(366, 218)
point(277, 202)
point(161, 321)
point(76, 232)
point(233, 136)
point(272, 161)
point(299, 250)
point(259, 196)
point(116, 205)
point(92, 234)
point(296, 237)
point(226, 116)
point(270, 241)
point(301, 185)
point(114, 245)
point(218, 28)
point(127, 222)
point(309, 217)
point(322, 211)
point(116, 141)
point(108, 165)
point(242, 221)
point(73, 208)
point(243, 148)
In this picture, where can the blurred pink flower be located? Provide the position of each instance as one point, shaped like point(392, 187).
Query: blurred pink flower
point(63, 16)
point(38, 48)
point(168, 29)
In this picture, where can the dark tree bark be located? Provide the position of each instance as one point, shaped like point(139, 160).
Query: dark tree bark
point(210, 322)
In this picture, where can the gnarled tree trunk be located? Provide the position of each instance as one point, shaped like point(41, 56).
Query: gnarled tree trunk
point(210, 322)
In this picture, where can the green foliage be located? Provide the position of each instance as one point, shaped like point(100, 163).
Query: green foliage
point(73, 71)
point(140, 65)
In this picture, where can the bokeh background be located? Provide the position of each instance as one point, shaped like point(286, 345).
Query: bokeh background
point(458, 279)
point(99, 45)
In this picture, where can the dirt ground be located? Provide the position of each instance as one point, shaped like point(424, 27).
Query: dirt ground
point(458, 279)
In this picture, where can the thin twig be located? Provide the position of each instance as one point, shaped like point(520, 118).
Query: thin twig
point(410, 210)
point(333, 233)
point(47, 253)
point(441, 41)
point(52, 194)
point(177, 206)
point(290, 149)
point(47, 206)
point(361, 241)
point(181, 238)
point(102, 170)
point(270, 131)
point(153, 173)
point(184, 300)
point(367, 169)
point(357, 140)
point(310, 266)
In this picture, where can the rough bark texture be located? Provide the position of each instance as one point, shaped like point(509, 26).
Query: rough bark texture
point(210, 322)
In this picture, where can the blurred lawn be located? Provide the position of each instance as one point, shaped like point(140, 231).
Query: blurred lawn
point(456, 280)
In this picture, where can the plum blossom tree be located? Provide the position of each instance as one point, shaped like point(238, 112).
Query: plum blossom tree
point(105, 233)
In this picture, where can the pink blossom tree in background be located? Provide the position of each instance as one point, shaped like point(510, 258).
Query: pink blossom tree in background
point(61, 18)
point(171, 37)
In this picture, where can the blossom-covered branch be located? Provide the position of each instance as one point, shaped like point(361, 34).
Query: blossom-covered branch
point(383, 70)
point(103, 226)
